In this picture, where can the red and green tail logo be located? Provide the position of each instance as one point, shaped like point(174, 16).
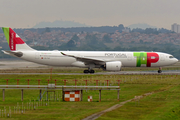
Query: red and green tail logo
point(12, 38)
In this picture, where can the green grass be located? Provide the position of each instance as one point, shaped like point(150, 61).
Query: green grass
point(163, 104)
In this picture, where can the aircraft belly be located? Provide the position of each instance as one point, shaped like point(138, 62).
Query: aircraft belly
point(159, 64)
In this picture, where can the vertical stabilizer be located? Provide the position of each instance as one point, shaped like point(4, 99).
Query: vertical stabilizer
point(14, 41)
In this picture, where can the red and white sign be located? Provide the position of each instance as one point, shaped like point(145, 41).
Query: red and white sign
point(72, 96)
point(89, 98)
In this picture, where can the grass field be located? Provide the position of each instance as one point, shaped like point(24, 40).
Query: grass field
point(162, 104)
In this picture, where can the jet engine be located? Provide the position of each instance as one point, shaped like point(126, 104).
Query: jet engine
point(113, 66)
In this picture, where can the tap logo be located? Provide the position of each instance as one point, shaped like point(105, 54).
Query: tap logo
point(146, 58)
point(14, 39)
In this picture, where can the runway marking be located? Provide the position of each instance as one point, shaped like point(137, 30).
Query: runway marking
point(104, 73)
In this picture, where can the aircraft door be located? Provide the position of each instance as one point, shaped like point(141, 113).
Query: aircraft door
point(37, 56)
point(129, 56)
point(162, 58)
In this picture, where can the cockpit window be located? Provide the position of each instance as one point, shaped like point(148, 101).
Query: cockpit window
point(171, 57)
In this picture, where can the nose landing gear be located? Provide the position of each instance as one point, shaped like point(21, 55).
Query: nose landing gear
point(160, 70)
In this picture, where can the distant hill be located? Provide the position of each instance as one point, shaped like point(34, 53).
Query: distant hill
point(59, 23)
point(140, 25)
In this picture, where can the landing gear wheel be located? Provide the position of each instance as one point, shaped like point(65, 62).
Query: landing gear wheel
point(86, 71)
point(159, 71)
point(91, 71)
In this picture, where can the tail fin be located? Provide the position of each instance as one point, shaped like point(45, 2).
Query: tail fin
point(14, 41)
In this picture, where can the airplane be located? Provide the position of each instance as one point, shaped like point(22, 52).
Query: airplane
point(107, 60)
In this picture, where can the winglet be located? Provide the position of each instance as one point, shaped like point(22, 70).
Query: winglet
point(67, 55)
point(63, 53)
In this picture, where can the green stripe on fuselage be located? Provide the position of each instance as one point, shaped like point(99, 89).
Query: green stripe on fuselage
point(141, 58)
point(6, 33)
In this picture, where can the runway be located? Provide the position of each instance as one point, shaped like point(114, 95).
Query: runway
point(165, 72)
point(104, 73)
point(20, 64)
point(14, 64)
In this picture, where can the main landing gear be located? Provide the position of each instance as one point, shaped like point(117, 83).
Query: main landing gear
point(88, 71)
point(160, 70)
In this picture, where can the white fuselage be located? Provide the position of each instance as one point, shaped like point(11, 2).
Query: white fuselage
point(128, 59)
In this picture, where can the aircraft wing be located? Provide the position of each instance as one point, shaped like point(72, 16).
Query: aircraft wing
point(87, 60)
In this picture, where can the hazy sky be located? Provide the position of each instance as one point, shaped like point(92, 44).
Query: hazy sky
point(26, 13)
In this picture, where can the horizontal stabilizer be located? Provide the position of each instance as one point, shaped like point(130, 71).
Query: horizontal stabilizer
point(13, 53)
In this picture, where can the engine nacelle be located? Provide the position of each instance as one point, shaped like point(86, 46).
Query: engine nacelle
point(113, 66)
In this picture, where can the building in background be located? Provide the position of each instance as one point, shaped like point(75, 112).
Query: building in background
point(175, 28)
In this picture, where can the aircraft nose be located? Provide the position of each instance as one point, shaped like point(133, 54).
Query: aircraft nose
point(175, 60)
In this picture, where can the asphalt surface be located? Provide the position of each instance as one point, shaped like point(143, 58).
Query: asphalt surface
point(7, 64)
